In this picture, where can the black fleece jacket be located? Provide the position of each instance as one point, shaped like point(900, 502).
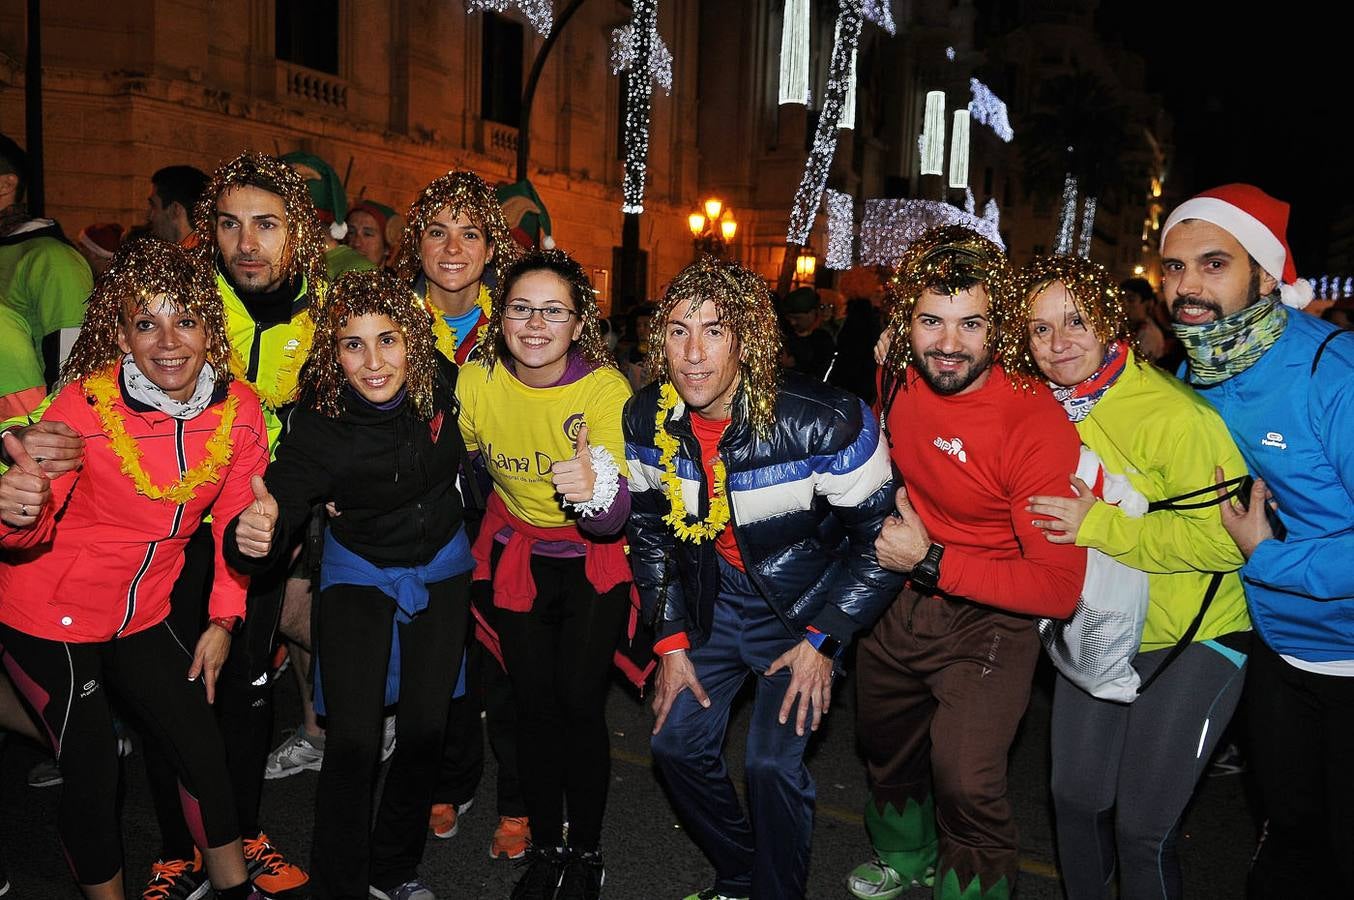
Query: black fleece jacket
point(391, 475)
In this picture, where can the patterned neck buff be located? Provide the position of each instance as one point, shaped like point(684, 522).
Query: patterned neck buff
point(1079, 399)
point(146, 391)
point(1231, 345)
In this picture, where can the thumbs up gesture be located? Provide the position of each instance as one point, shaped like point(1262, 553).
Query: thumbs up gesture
point(574, 478)
point(903, 541)
point(255, 526)
point(25, 489)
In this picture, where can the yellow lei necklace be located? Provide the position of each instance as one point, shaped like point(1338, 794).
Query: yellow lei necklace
point(104, 390)
point(718, 516)
point(444, 336)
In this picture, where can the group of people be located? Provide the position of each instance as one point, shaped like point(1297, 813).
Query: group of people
point(427, 469)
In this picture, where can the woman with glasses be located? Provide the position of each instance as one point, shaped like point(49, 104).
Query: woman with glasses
point(541, 405)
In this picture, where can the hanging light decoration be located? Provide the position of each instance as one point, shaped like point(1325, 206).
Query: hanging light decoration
point(890, 226)
point(933, 134)
point(841, 227)
point(880, 12)
point(638, 101)
point(970, 203)
point(625, 54)
point(989, 109)
point(959, 150)
point(848, 117)
point(794, 53)
point(992, 214)
point(1067, 217)
point(1087, 227)
point(825, 136)
point(539, 13)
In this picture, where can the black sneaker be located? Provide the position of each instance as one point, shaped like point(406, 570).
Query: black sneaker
point(583, 877)
point(544, 868)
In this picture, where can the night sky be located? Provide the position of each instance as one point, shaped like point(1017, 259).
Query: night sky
point(1262, 99)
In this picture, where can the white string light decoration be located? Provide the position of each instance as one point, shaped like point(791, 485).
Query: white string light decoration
point(624, 55)
point(841, 228)
point(933, 134)
point(880, 12)
point(889, 227)
point(848, 118)
point(1087, 227)
point(540, 13)
point(638, 103)
point(794, 53)
point(1067, 217)
point(992, 214)
point(825, 136)
point(989, 109)
point(969, 202)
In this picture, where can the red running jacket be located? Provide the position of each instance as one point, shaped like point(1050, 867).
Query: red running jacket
point(102, 560)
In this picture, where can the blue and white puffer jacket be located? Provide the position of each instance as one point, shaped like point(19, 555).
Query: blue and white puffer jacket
point(807, 502)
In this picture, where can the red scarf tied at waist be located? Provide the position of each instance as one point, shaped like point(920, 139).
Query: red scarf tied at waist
point(514, 588)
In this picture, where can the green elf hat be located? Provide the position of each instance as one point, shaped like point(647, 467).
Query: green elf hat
point(326, 191)
point(526, 215)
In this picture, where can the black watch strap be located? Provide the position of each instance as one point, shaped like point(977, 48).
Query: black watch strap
point(926, 574)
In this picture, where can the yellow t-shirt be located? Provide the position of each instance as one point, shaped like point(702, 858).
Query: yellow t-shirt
point(521, 431)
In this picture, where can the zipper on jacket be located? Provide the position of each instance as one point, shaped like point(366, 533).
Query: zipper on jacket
point(251, 372)
point(181, 457)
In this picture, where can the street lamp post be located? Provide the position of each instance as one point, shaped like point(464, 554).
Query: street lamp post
point(712, 229)
point(806, 263)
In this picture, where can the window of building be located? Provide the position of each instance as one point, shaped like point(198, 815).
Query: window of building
point(501, 71)
point(307, 33)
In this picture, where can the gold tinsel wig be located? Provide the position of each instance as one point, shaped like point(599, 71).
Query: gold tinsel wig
point(378, 293)
point(304, 251)
point(465, 193)
point(567, 269)
point(947, 260)
point(745, 308)
point(1093, 291)
point(143, 269)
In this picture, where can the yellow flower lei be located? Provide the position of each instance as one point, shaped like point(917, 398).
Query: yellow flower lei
point(104, 390)
point(719, 513)
point(444, 336)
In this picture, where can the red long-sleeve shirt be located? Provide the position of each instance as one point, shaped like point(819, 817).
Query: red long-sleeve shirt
point(971, 462)
point(106, 567)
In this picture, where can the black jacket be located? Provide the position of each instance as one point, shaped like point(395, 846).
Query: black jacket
point(807, 503)
point(391, 475)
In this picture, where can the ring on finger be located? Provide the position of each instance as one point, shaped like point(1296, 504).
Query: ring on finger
point(23, 511)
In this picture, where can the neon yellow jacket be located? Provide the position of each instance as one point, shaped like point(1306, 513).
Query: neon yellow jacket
point(269, 357)
point(1167, 441)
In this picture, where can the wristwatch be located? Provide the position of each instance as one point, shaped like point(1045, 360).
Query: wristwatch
point(926, 574)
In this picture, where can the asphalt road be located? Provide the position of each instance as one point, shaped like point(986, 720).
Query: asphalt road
point(647, 853)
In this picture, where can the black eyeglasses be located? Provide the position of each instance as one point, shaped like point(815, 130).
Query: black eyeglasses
point(555, 314)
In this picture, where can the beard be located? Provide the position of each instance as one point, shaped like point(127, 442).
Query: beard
point(950, 383)
point(1252, 297)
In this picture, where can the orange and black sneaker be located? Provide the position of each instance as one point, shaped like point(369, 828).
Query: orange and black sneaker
point(177, 879)
point(269, 869)
point(511, 838)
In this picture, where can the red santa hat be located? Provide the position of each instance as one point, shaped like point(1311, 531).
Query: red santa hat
point(1259, 222)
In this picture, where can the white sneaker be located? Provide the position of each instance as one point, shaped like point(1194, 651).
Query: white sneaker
point(295, 755)
point(387, 738)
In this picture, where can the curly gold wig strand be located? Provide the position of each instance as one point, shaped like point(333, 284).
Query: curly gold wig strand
point(371, 293)
point(1095, 295)
point(465, 193)
point(304, 253)
point(745, 308)
point(141, 270)
point(567, 269)
point(948, 260)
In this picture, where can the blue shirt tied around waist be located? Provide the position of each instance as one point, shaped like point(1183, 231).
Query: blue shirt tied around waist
point(406, 585)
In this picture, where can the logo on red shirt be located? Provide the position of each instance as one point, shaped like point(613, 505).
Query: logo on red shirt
point(953, 446)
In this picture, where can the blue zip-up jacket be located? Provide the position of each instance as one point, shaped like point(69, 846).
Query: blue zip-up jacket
point(1295, 427)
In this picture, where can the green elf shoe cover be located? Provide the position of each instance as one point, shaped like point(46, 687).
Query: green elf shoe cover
point(947, 888)
point(905, 841)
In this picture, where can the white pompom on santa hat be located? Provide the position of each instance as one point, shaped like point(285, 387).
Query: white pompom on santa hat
point(1259, 222)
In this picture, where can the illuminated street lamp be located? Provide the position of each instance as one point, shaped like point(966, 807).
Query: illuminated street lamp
point(712, 230)
point(805, 264)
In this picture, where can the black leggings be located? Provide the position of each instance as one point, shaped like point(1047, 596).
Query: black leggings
point(352, 644)
point(64, 683)
point(558, 657)
point(244, 693)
